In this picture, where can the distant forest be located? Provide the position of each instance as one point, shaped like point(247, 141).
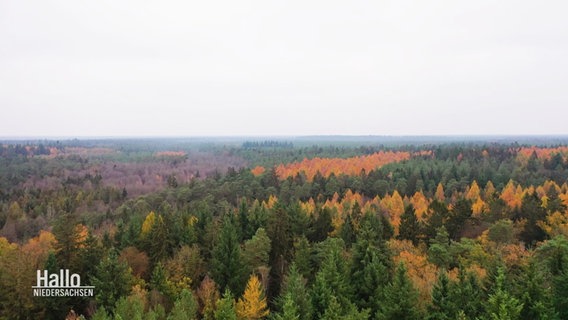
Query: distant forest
point(288, 228)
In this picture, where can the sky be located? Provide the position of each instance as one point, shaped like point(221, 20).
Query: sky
point(283, 67)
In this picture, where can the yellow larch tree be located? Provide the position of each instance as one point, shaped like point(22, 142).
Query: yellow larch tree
point(397, 209)
point(148, 223)
point(478, 207)
point(473, 192)
point(440, 193)
point(510, 195)
point(489, 190)
point(394, 206)
point(420, 203)
point(421, 272)
point(252, 305)
point(555, 224)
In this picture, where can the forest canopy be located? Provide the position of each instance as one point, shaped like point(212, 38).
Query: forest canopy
point(290, 228)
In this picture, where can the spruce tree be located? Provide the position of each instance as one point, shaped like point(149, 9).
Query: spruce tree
point(131, 307)
point(409, 226)
point(400, 299)
point(347, 231)
point(560, 297)
point(112, 280)
point(256, 250)
point(535, 295)
point(226, 307)
point(467, 294)
point(289, 309)
point(279, 231)
point(185, 307)
point(370, 270)
point(101, 314)
point(501, 304)
point(227, 266)
point(68, 238)
point(442, 306)
point(303, 258)
point(294, 287)
point(439, 250)
point(331, 280)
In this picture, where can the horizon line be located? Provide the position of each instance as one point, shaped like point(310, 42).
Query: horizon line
point(113, 137)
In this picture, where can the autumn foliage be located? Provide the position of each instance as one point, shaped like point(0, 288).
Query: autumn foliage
point(349, 166)
point(541, 153)
point(252, 305)
point(425, 235)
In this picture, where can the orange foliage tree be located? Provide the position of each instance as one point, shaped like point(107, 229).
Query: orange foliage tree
point(349, 166)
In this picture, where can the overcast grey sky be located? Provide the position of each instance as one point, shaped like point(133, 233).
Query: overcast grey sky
point(286, 67)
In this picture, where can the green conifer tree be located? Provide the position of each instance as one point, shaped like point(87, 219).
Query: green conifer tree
point(289, 309)
point(294, 287)
point(501, 304)
point(185, 307)
point(370, 269)
point(112, 280)
point(409, 228)
point(331, 280)
point(227, 266)
point(131, 307)
point(535, 295)
point(400, 299)
point(226, 307)
point(442, 306)
point(467, 294)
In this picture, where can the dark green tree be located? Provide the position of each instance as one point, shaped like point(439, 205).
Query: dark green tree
point(162, 289)
point(294, 288)
point(501, 305)
point(112, 280)
point(55, 307)
point(246, 230)
point(289, 309)
point(131, 307)
point(331, 280)
point(442, 306)
point(279, 232)
point(554, 254)
point(468, 295)
point(321, 226)
point(157, 242)
point(227, 267)
point(371, 269)
point(409, 228)
point(554, 202)
point(68, 241)
point(185, 307)
point(347, 231)
point(435, 218)
point(461, 211)
point(533, 212)
point(90, 254)
point(226, 307)
point(535, 295)
point(303, 257)
point(560, 296)
point(101, 314)
point(439, 250)
point(256, 250)
point(400, 299)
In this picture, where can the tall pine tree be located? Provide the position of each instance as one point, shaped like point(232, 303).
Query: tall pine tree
point(400, 299)
point(227, 267)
